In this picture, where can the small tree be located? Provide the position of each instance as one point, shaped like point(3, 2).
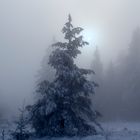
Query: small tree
point(64, 108)
point(21, 132)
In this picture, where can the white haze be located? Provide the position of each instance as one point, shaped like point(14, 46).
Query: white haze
point(28, 26)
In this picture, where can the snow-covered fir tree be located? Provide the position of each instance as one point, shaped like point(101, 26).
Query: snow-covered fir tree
point(65, 107)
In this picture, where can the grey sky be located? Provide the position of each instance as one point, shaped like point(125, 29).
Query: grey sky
point(27, 28)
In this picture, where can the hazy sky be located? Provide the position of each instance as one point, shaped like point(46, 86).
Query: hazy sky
point(28, 26)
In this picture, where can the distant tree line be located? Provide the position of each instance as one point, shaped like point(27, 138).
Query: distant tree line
point(119, 92)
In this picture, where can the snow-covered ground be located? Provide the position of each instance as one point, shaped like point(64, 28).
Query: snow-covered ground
point(122, 131)
point(113, 131)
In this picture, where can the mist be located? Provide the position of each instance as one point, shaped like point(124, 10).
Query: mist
point(27, 29)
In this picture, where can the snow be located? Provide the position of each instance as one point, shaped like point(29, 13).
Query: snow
point(122, 130)
point(113, 131)
point(76, 138)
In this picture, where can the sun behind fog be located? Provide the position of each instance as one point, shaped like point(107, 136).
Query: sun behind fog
point(90, 36)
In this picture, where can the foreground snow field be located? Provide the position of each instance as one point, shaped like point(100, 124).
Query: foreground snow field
point(114, 131)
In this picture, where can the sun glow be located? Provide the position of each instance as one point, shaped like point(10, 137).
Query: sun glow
point(91, 36)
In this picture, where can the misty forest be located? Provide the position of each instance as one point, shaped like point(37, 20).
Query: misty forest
point(70, 70)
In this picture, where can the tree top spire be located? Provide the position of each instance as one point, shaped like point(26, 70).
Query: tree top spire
point(69, 18)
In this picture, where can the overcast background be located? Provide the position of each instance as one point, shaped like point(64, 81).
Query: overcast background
point(28, 26)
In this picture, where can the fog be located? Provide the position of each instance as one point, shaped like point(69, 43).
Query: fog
point(27, 29)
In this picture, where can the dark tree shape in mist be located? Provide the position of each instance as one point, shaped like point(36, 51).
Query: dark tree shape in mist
point(130, 81)
point(97, 66)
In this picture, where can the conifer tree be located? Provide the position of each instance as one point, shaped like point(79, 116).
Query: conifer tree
point(65, 107)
